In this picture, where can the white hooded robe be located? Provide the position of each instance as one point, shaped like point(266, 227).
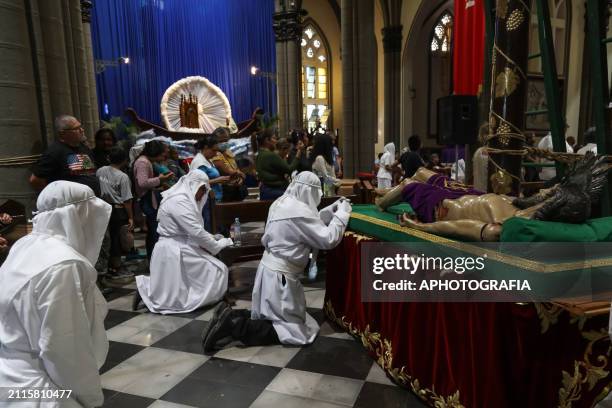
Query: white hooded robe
point(51, 311)
point(185, 275)
point(294, 228)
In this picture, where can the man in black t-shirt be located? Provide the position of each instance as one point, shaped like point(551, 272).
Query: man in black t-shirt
point(66, 159)
point(411, 160)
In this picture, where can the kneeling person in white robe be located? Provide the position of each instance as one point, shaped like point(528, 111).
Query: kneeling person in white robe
point(51, 311)
point(185, 275)
point(294, 228)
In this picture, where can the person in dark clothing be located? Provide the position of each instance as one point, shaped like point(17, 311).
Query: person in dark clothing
point(412, 160)
point(66, 159)
point(272, 170)
point(105, 140)
point(304, 160)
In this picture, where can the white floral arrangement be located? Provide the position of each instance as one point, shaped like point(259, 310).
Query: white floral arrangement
point(214, 109)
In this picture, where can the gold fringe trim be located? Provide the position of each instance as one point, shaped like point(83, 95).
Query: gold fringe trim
point(383, 350)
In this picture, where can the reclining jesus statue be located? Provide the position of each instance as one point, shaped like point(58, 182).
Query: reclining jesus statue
point(448, 208)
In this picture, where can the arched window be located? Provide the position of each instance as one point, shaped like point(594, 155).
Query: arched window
point(315, 79)
point(441, 37)
point(440, 67)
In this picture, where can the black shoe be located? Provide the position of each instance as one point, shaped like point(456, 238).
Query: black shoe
point(219, 309)
point(218, 329)
point(221, 306)
point(136, 301)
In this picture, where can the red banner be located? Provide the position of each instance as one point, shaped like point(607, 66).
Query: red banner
point(468, 46)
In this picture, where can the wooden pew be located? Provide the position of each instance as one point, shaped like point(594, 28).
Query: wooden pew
point(224, 214)
point(15, 230)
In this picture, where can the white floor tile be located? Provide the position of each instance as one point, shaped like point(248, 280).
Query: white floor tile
point(152, 372)
point(275, 356)
point(269, 399)
point(326, 388)
point(146, 329)
point(207, 315)
point(166, 404)
point(328, 331)
point(377, 375)
point(315, 298)
point(238, 353)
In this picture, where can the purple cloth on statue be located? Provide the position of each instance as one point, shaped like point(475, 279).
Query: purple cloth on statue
point(424, 198)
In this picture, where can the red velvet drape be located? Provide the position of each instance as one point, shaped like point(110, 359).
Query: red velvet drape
point(494, 354)
point(468, 46)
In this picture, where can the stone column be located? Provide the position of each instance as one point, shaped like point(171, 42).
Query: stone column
point(358, 85)
point(91, 72)
point(23, 125)
point(508, 92)
point(288, 32)
point(392, 43)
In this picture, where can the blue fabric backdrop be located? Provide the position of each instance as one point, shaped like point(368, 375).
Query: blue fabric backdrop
point(167, 40)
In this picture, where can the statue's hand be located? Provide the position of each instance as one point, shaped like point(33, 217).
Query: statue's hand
point(406, 220)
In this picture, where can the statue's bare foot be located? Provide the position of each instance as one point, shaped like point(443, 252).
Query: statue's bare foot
point(381, 191)
point(407, 220)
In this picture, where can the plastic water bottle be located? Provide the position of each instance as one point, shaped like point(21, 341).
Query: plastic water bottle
point(235, 232)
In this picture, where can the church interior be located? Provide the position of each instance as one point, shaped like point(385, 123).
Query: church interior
point(210, 203)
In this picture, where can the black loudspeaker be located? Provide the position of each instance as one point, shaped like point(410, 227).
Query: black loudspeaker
point(457, 119)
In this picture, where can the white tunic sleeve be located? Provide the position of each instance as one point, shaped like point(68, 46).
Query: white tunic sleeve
point(191, 224)
point(66, 346)
point(317, 235)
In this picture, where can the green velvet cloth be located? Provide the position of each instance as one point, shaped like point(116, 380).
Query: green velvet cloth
point(381, 231)
point(524, 230)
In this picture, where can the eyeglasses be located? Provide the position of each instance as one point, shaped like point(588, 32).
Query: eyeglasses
point(78, 128)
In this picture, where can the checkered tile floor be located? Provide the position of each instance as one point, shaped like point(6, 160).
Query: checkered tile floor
point(157, 361)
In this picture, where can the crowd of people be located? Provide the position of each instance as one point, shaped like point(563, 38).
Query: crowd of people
point(52, 310)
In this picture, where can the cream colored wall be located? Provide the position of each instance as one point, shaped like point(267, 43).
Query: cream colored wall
point(409, 10)
point(380, 58)
point(322, 13)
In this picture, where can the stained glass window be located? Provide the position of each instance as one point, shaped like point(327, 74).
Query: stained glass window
point(441, 37)
point(315, 81)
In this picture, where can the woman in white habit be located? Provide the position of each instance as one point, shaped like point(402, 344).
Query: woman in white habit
point(387, 161)
point(294, 228)
point(52, 333)
point(185, 275)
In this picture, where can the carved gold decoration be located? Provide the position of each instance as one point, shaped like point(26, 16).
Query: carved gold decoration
point(515, 20)
point(501, 182)
point(506, 83)
point(492, 122)
point(502, 134)
point(383, 349)
point(357, 237)
point(502, 8)
point(548, 314)
point(585, 371)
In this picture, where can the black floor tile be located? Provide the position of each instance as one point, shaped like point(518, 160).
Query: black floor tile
point(118, 353)
point(211, 394)
point(115, 317)
point(120, 400)
point(381, 395)
point(236, 373)
point(117, 293)
point(355, 362)
point(317, 314)
point(188, 338)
